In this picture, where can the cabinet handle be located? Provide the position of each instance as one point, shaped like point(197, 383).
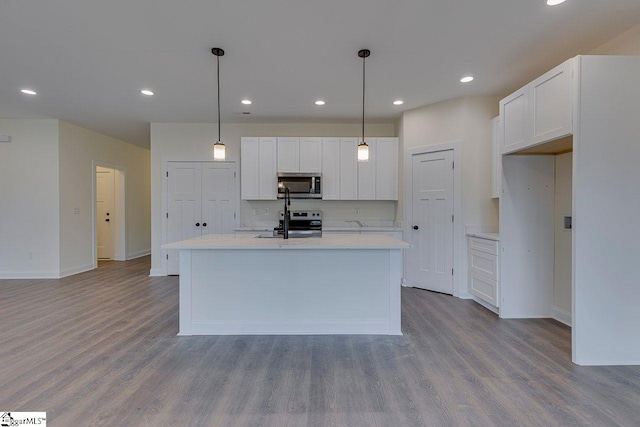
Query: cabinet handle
point(415, 227)
point(197, 224)
point(107, 220)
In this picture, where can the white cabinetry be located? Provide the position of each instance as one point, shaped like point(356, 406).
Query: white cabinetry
point(348, 169)
point(299, 154)
point(367, 172)
point(496, 158)
point(386, 168)
point(539, 112)
point(331, 168)
point(483, 270)
point(258, 168)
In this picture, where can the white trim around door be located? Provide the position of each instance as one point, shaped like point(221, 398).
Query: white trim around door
point(459, 272)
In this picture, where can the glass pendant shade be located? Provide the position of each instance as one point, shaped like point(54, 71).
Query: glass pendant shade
point(219, 151)
point(363, 152)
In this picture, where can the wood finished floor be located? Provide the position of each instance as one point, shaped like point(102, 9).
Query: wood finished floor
point(100, 348)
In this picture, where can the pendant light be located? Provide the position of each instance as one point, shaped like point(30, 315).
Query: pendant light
point(363, 148)
point(218, 147)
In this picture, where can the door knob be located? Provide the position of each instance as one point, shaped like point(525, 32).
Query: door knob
point(197, 224)
point(107, 220)
point(204, 224)
point(415, 227)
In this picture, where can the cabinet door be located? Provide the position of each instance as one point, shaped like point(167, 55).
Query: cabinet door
point(348, 169)
point(268, 176)
point(367, 173)
point(496, 159)
point(250, 168)
point(551, 104)
point(311, 155)
point(515, 124)
point(331, 168)
point(288, 154)
point(386, 169)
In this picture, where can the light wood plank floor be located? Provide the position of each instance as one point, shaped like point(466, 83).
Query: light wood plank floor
point(100, 348)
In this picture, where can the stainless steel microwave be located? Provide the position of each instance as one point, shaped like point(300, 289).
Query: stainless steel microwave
point(301, 185)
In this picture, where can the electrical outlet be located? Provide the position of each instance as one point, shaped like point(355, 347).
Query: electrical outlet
point(266, 211)
point(357, 211)
point(255, 211)
point(30, 255)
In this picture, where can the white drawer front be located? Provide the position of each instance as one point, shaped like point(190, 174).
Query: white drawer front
point(483, 263)
point(484, 245)
point(483, 288)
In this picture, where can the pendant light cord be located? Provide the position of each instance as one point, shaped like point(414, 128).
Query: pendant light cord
point(218, 66)
point(364, 59)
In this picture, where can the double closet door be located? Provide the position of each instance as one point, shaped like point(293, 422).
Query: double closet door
point(201, 200)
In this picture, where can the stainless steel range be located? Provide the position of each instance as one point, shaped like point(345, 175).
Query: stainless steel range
point(302, 224)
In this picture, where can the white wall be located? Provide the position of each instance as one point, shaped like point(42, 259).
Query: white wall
point(29, 199)
point(174, 141)
point(79, 148)
point(562, 252)
point(627, 43)
point(467, 120)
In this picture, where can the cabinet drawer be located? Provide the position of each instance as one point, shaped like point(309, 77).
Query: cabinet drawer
point(484, 264)
point(483, 245)
point(483, 288)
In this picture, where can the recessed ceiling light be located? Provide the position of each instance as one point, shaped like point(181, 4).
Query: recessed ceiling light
point(146, 92)
point(466, 79)
point(246, 101)
point(554, 2)
point(28, 92)
point(398, 102)
point(320, 102)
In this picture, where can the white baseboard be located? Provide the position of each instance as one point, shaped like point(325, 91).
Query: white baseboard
point(608, 362)
point(465, 295)
point(561, 316)
point(76, 270)
point(154, 272)
point(485, 304)
point(8, 274)
point(138, 254)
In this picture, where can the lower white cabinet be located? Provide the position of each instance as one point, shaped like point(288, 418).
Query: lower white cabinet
point(484, 280)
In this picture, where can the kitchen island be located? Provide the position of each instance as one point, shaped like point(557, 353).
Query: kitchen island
point(254, 285)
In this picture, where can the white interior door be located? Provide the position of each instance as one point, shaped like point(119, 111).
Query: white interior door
point(185, 206)
point(105, 201)
point(432, 228)
point(218, 197)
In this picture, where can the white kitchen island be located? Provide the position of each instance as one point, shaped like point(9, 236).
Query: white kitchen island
point(247, 285)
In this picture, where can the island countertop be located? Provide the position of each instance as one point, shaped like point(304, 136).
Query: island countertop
point(327, 241)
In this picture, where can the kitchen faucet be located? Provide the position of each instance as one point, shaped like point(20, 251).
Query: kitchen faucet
point(287, 213)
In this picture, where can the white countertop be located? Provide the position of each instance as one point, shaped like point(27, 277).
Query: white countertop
point(329, 241)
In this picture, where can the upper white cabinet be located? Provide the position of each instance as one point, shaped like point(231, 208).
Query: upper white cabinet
point(386, 168)
point(539, 112)
point(331, 168)
point(299, 154)
point(551, 102)
point(259, 180)
point(496, 159)
point(348, 169)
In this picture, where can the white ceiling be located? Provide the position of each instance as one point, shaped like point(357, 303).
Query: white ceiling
point(88, 60)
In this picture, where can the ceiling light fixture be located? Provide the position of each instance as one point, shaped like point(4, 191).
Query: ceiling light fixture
point(246, 101)
point(320, 102)
point(28, 92)
point(554, 2)
point(146, 92)
point(363, 148)
point(398, 102)
point(466, 79)
point(218, 147)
